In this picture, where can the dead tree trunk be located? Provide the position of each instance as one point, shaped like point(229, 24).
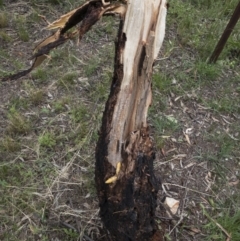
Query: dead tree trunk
point(126, 185)
point(125, 151)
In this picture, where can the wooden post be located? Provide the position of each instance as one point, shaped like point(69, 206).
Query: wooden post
point(125, 150)
point(227, 32)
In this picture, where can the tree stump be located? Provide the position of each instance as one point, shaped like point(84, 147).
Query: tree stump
point(124, 175)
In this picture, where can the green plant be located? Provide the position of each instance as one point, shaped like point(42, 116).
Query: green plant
point(55, 2)
point(79, 113)
point(36, 97)
point(18, 124)
point(9, 144)
point(18, 103)
point(47, 140)
point(58, 106)
point(162, 82)
point(71, 234)
point(199, 29)
point(165, 125)
point(5, 37)
point(92, 66)
point(224, 105)
point(22, 30)
point(109, 26)
point(35, 17)
point(69, 79)
point(160, 142)
point(207, 72)
point(3, 19)
point(40, 74)
point(224, 224)
point(45, 110)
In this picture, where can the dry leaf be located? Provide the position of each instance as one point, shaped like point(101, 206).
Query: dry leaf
point(193, 231)
point(187, 139)
point(190, 165)
point(188, 70)
point(189, 131)
point(233, 183)
point(173, 204)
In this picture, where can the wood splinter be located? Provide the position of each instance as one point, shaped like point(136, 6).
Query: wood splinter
point(115, 177)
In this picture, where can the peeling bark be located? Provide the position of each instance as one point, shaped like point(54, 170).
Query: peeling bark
point(127, 205)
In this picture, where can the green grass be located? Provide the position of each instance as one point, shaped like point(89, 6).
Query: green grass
point(18, 124)
point(60, 105)
point(47, 140)
point(162, 83)
point(165, 125)
point(201, 23)
point(225, 105)
point(36, 97)
point(40, 74)
point(228, 221)
point(68, 80)
point(92, 66)
point(79, 113)
point(22, 30)
point(9, 144)
point(3, 19)
point(5, 37)
point(207, 72)
point(51, 129)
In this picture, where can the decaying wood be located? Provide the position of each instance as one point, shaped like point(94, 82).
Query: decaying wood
point(128, 199)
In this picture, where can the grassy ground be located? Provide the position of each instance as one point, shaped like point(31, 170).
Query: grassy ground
point(49, 124)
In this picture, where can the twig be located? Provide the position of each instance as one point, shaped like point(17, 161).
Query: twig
point(179, 156)
point(192, 190)
point(44, 19)
point(166, 218)
point(181, 216)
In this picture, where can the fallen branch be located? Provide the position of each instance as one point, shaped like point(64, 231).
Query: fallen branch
point(87, 15)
